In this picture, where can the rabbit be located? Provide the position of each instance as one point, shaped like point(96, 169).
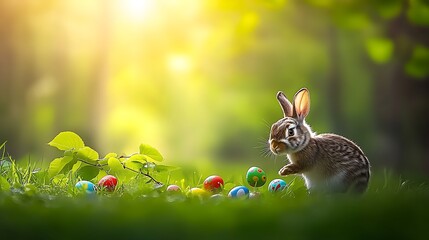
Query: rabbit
point(327, 162)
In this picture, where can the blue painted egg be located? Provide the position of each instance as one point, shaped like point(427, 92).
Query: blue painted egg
point(239, 192)
point(277, 185)
point(86, 187)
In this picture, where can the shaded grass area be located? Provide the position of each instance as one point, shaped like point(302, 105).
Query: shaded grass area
point(376, 215)
point(33, 206)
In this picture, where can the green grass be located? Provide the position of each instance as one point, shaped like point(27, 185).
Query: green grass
point(32, 206)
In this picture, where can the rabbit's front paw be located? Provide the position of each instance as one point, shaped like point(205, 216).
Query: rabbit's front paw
point(289, 169)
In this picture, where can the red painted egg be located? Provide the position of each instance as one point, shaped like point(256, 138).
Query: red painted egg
point(108, 182)
point(214, 184)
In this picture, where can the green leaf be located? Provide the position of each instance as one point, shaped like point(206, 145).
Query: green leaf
point(418, 65)
point(136, 162)
point(76, 167)
point(4, 184)
point(85, 171)
point(379, 49)
point(150, 152)
point(114, 164)
point(118, 170)
point(88, 172)
point(136, 166)
point(87, 154)
point(100, 175)
point(59, 164)
point(70, 153)
point(103, 161)
point(140, 158)
point(67, 141)
point(109, 155)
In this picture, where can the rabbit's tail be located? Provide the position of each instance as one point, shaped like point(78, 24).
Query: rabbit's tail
point(360, 185)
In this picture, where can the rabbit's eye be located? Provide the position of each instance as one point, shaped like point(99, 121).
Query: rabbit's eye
point(291, 132)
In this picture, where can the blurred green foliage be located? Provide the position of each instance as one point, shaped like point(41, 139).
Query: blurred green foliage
point(197, 79)
point(376, 217)
point(419, 62)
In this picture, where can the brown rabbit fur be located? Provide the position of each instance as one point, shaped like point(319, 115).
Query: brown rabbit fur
point(327, 162)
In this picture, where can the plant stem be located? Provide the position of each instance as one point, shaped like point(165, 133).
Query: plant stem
point(98, 165)
point(142, 173)
point(124, 156)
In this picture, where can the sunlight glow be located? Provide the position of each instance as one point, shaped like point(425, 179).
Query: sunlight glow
point(178, 63)
point(137, 10)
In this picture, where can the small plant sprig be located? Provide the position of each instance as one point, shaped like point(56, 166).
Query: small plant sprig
point(85, 163)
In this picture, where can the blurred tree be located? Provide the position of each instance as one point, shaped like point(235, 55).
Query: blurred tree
point(395, 33)
point(17, 70)
point(201, 82)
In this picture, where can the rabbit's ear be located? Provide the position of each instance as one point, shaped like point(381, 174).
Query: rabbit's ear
point(301, 103)
point(285, 104)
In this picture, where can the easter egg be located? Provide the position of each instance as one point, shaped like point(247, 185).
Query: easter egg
point(108, 182)
point(213, 184)
point(217, 196)
point(254, 195)
point(85, 187)
point(256, 177)
point(239, 192)
point(197, 192)
point(173, 188)
point(277, 185)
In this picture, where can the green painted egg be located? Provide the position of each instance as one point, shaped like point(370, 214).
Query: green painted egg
point(256, 177)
